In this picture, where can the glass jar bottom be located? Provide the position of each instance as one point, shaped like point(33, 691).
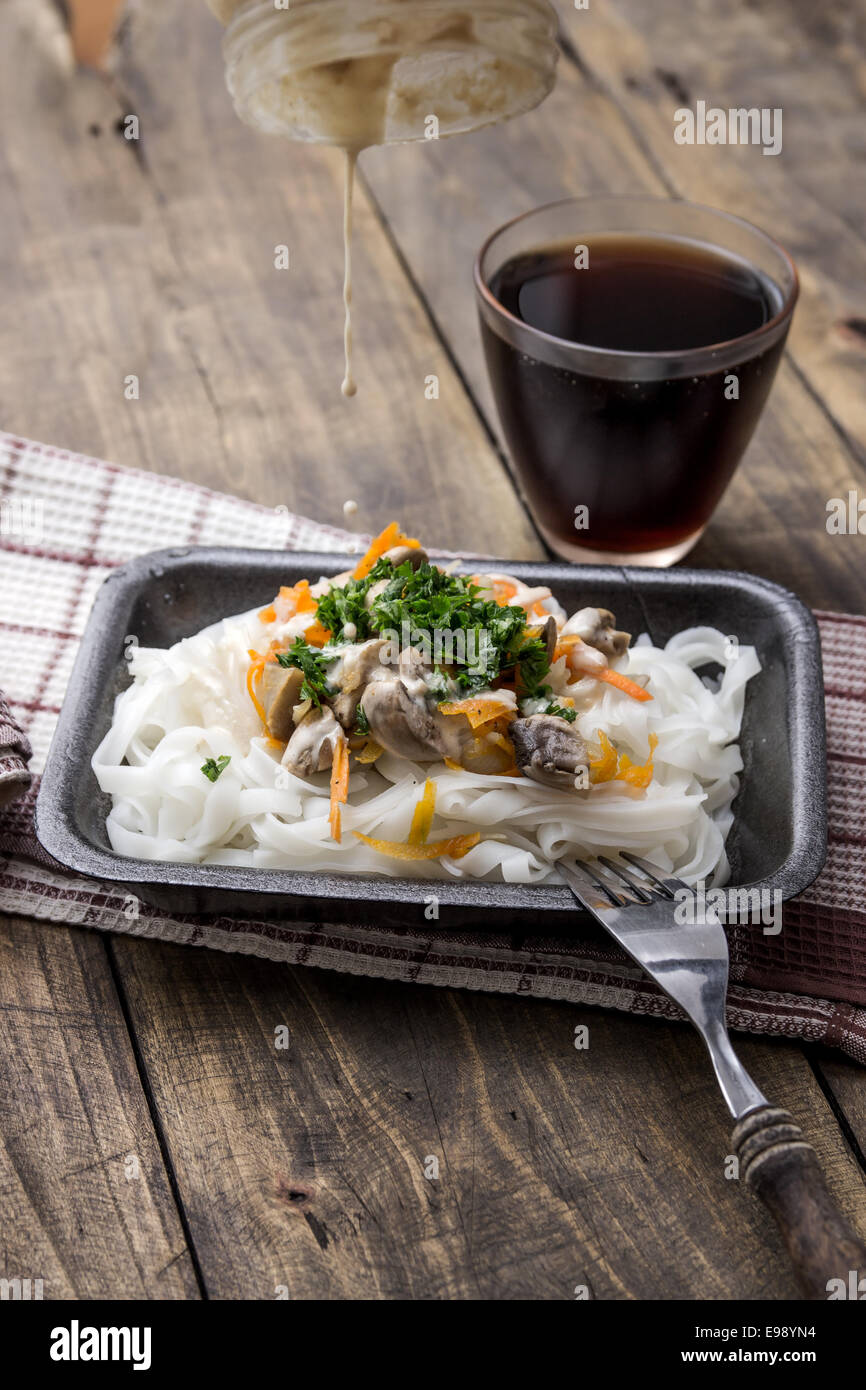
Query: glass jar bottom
point(652, 559)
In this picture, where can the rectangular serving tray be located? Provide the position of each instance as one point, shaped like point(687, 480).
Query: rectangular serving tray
point(777, 842)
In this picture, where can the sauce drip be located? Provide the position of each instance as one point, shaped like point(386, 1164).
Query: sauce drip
point(349, 386)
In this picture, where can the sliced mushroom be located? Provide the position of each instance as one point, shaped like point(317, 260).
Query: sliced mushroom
point(407, 726)
point(596, 627)
point(399, 554)
point(354, 670)
point(280, 694)
point(549, 750)
point(311, 747)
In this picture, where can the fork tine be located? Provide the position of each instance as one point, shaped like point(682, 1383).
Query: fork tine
point(640, 890)
point(589, 884)
point(665, 885)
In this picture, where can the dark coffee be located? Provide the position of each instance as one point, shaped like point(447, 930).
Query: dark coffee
point(648, 458)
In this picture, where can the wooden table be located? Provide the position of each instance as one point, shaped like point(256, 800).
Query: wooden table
point(259, 1169)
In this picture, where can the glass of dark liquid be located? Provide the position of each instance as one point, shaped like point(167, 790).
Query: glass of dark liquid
point(631, 345)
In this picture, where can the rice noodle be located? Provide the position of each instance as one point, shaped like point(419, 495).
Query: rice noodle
point(190, 703)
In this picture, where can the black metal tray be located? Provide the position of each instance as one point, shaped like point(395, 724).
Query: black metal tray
point(777, 842)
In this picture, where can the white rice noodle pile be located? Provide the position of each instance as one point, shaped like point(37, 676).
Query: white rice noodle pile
point(190, 703)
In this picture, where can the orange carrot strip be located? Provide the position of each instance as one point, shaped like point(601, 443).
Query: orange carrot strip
point(339, 785)
point(628, 687)
point(603, 769)
point(316, 635)
point(386, 540)
point(370, 752)
point(268, 615)
point(478, 712)
point(637, 775)
point(394, 849)
point(254, 675)
point(422, 819)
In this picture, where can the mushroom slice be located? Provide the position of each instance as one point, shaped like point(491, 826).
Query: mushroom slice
point(549, 750)
point(311, 747)
point(406, 726)
point(399, 554)
point(355, 669)
point(596, 627)
point(280, 694)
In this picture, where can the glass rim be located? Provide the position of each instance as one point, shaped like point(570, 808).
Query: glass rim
point(623, 362)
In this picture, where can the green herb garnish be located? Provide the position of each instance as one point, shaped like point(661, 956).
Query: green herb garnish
point(532, 665)
point(212, 767)
point(312, 663)
point(342, 607)
point(477, 639)
point(562, 712)
point(362, 724)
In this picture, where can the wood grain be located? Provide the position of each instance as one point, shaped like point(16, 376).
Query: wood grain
point(602, 1167)
point(85, 1201)
point(303, 1170)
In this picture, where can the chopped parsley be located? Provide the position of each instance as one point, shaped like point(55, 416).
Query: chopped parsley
point(312, 663)
point(362, 724)
point(346, 607)
point(532, 665)
point(562, 712)
point(474, 639)
point(212, 767)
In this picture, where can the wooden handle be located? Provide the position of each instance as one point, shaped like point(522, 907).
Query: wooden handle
point(783, 1170)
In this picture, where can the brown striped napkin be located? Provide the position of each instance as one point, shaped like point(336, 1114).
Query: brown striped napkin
point(67, 521)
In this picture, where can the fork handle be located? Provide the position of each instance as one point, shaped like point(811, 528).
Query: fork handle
point(781, 1168)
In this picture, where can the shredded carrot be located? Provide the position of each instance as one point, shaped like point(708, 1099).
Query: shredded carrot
point(299, 596)
point(258, 662)
point(370, 752)
point(478, 712)
point(613, 766)
point(339, 784)
point(422, 819)
point(386, 540)
point(628, 687)
point(316, 635)
point(268, 615)
point(395, 849)
point(637, 775)
point(454, 765)
point(603, 769)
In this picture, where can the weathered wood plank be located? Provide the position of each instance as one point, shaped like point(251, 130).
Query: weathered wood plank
point(557, 1167)
point(85, 1201)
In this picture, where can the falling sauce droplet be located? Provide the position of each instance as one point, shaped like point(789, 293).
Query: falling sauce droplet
point(349, 387)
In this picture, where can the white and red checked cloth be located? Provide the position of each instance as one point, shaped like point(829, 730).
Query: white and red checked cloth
point(67, 521)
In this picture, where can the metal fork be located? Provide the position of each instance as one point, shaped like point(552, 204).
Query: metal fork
point(690, 963)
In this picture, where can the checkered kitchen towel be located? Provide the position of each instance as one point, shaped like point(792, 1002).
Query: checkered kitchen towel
point(67, 521)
